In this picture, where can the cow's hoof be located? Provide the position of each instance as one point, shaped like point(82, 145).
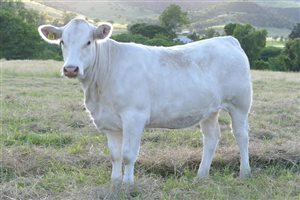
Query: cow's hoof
point(129, 189)
point(245, 174)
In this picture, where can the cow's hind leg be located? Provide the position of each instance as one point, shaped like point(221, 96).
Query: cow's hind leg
point(240, 128)
point(211, 133)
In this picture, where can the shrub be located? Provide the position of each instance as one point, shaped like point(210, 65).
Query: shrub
point(291, 53)
point(150, 30)
point(161, 40)
point(158, 40)
point(261, 64)
point(125, 37)
point(277, 63)
point(269, 52)
point(295, 32)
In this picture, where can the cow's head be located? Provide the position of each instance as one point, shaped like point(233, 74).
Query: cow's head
point(78, 42)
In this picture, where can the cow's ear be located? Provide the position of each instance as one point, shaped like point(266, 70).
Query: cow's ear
point(50, 34)
point(103, 31)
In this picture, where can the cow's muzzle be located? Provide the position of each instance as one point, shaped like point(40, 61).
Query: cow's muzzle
point(71, 71)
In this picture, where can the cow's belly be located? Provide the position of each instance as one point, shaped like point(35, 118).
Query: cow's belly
point(181, 116)
point(176, 122)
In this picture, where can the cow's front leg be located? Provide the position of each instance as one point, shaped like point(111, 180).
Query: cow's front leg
point(133, 124)
point(114, 140)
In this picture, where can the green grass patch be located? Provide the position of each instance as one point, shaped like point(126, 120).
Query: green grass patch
point(6, 174)
point(62, 175)
point(262, 185)
point(47, 139)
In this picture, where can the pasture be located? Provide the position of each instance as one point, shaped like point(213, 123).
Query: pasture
point(51, 150)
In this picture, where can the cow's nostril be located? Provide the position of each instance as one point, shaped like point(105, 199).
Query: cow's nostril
point(71, 71)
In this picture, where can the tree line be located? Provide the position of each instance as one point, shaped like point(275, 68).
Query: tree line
point(19, 38)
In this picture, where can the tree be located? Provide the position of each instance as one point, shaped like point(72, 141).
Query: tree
point(292, 55)
point(161, 40)
point(269, 52)
point(229, 28)
point(158, 40)
point(172, 18)
point(270, 59)
point(125, 37)
point(251, 40)
point(277, 63)
point(18, 8)
point(295, 32)
point(150, 30)
point(19, 38)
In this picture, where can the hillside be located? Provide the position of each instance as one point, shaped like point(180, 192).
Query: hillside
point(278, 4)
point(204, 14)
point(246, 12)
point(57, 13)
point(51, 12)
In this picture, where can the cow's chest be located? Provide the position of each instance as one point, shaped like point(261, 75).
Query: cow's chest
point(103, 117)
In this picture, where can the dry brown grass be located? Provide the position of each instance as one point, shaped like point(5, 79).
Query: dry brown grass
point(24, 67)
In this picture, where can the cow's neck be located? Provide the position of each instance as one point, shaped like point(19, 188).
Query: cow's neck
point(97, 74)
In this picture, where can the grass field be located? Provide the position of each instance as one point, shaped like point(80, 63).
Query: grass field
point(50, 149)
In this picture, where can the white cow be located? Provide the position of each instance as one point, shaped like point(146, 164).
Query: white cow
point(128, 87)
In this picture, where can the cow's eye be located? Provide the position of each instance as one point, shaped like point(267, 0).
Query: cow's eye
point(61, 43)
point(88, 43)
